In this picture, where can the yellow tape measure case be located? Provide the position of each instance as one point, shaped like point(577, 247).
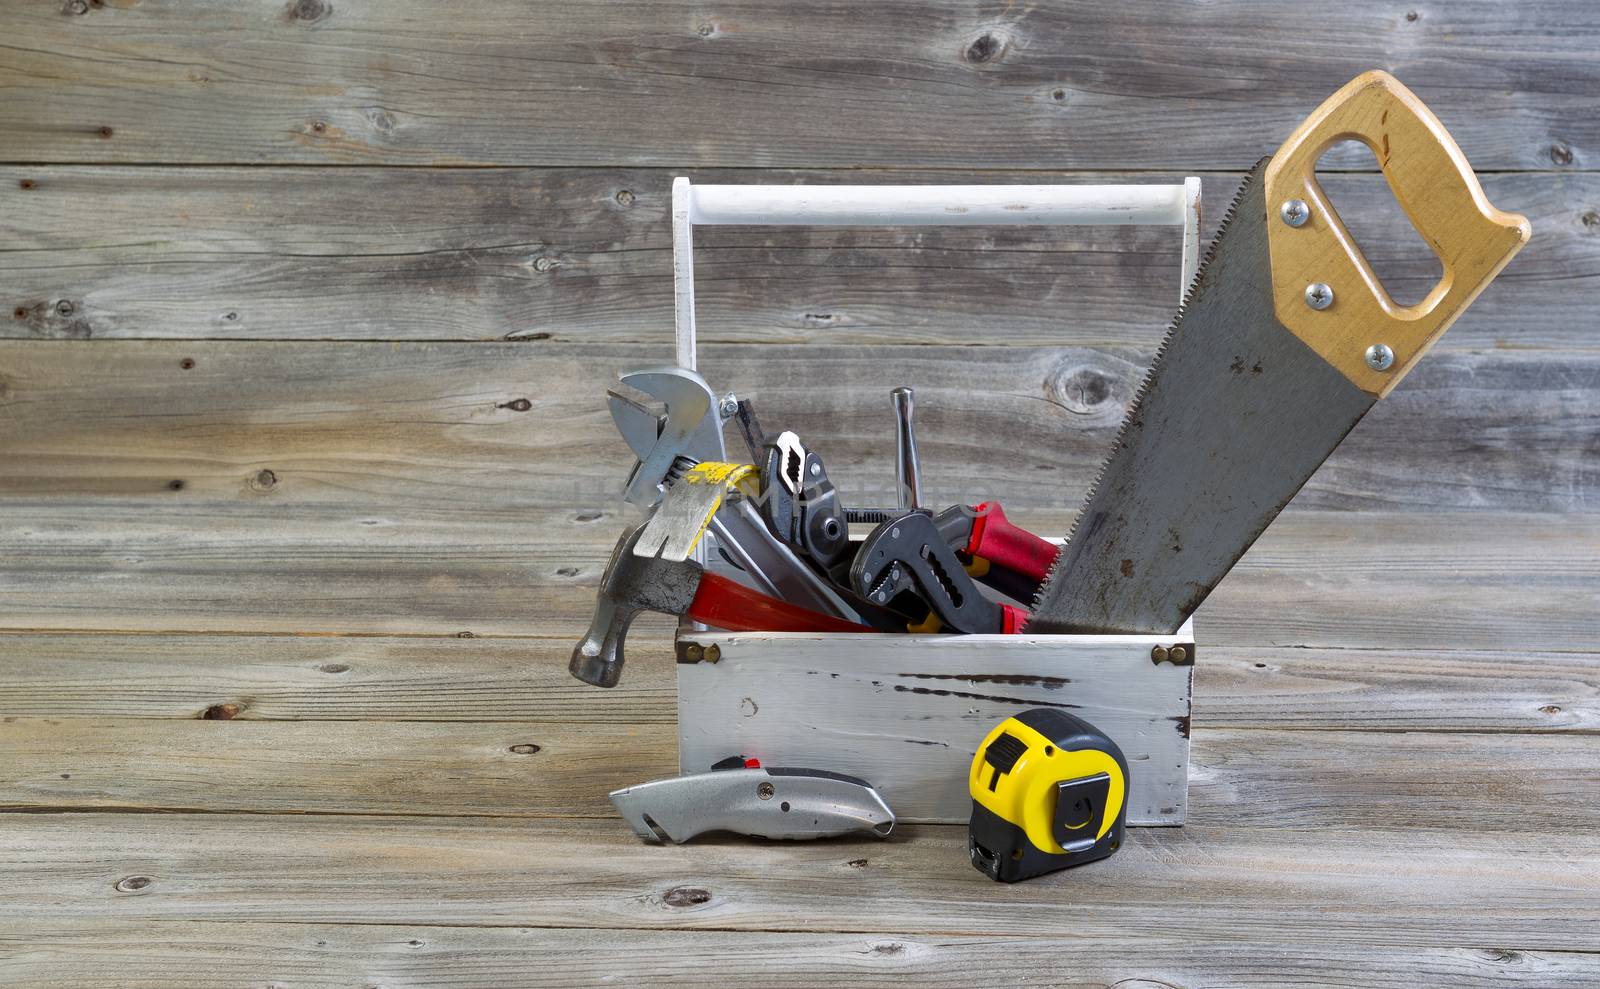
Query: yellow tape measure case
point(1049, 790)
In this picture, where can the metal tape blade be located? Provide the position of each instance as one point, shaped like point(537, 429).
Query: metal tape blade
point(1234, 416)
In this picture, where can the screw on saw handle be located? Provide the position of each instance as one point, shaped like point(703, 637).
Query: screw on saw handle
point(1324, 291)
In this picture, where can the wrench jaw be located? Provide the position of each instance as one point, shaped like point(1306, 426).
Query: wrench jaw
point(640, 428)
point(688, 428)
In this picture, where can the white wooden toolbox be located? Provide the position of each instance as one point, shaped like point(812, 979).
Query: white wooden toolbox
point(906, 712)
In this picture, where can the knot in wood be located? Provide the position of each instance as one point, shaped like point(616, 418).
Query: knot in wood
point(1561, 153)
point(686, 896)
point(1083, 390)
point(986, 49)
point(263, 480)
point(221, 712)
point(308, 11)
point(526, 748)
point(132, 884)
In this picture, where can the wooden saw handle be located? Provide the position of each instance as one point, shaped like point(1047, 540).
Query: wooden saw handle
point(1435, 186)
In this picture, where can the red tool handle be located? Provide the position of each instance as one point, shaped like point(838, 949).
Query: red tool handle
point(1007, 546)
point(1014, 621)
point(730, 605)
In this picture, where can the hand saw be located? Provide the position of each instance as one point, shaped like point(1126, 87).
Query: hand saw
point(1285, 340)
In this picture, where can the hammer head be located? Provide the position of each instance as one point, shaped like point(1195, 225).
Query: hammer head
point(631, 584)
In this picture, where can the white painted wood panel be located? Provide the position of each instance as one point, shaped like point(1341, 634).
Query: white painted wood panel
point(907, 712)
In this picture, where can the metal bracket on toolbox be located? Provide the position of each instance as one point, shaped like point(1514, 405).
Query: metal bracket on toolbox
point(917, 205)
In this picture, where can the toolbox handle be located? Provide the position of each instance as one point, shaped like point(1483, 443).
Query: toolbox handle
point(1310, 245)
point(917, 205)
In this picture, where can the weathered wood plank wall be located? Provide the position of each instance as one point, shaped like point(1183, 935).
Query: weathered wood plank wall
point(306, 307)
point(602, 82)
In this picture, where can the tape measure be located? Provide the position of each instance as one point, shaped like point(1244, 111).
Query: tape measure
point(1049, 791)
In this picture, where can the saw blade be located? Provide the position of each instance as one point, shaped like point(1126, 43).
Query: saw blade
point(1234, 415)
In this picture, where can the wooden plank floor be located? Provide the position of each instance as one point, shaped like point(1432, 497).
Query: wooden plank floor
point(306, 483)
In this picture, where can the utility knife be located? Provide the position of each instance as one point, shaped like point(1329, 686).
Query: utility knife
point(741, 796)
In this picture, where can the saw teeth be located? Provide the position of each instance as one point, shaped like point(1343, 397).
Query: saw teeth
point(1145, 384)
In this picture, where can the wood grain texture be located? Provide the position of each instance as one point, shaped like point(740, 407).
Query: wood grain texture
point(584, 255)
point(1522, 583)
point(383, 678)
point(1075, 84)
point(205, 509)
point(1211, 881)
point(222, 953)
point(1544, 783)
point(347, 767)
point(1517, 690)
point(399, 430)
point(329, 678)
